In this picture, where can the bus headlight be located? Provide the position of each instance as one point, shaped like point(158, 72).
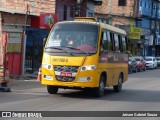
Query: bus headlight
point(88, 67)
point(47, 66)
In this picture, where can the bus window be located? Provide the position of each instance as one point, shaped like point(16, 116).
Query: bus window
point(104, 41)
point(116, 41)
point(123, 44)
point(111, 41)
point(120, 43)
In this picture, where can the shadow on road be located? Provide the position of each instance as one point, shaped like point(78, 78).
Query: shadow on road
point(128, 95)
point(151, 73)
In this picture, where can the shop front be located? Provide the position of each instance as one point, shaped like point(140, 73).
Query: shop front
point(12, 41)
point(136, 44)
point(36, 33)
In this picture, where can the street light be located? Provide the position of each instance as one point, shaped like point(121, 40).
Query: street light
point(24, 42)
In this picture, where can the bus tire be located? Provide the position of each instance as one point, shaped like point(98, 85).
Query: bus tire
point(99, 92)
point(118, 88)
point(52, 89)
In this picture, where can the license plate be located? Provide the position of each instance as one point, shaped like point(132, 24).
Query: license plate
point(66, 74)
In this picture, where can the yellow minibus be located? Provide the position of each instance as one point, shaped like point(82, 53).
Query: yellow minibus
point(85, 54)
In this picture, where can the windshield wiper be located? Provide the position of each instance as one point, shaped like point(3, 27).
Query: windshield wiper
point(76, 49)
point(54, 48)
point(59, 49)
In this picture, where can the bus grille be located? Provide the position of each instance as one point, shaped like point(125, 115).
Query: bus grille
point(65, 79)
point(71, 69)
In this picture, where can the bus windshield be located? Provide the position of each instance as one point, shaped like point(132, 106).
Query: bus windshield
point(78, 38)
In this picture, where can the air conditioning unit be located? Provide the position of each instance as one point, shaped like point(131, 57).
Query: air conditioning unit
point(97, 2)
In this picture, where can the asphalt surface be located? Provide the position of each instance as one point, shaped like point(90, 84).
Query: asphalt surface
point(140, 93)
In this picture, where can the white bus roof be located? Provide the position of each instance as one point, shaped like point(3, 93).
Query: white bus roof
point(103, 25)
point(112, 28)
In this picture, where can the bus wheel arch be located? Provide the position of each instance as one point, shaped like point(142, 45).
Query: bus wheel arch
point(99, 91)
point(118, 87)
point(104, 74)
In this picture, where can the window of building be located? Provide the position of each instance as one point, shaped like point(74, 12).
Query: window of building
point(65, 12)
point(121, 2)
point(149, 6)
point(72, 11)
point(145, 4)
point(90, 14)
point(141, 3)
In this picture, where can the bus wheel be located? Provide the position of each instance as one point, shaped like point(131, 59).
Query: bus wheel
point(118, 88)
point(52, 89)
point(99, 92)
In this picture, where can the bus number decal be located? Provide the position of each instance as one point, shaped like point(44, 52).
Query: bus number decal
point(59, 60)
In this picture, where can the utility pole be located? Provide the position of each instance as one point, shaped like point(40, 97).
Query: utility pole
point(109, 12)
point(155, 29)
point(78, 8)
point(24, 42)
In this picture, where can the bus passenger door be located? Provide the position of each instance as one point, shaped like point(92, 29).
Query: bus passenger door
point(106, 56)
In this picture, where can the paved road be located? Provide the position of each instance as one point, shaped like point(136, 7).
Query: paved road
point(140, 93)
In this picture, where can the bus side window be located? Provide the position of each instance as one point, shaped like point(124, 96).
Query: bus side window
point(109, 41)
point(104, 41)
point(112, 42)
point(120, 43)
point(124, 44)
point(116, 41)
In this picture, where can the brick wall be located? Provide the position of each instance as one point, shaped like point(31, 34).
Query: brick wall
point(17, 19)
point(0, 27)
point(111, 7)
point(35, 6)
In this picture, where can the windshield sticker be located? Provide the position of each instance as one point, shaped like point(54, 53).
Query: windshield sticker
point(55, 43)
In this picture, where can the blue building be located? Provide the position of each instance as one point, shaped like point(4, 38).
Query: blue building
point(148, 11)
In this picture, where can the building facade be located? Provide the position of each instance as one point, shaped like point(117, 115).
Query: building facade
point(120, 13)
point(17, 21)
point(69, 9)
point(149, 14)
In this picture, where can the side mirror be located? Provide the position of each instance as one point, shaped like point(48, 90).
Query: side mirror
point(44, 41)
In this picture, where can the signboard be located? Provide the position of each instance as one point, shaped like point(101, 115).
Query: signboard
point(135, 33)
point(44, 21)
point(14, 42)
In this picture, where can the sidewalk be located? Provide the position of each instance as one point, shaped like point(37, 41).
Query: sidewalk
point(24, 84)
point(25, 77)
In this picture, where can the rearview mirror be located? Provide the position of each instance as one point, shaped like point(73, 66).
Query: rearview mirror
point(44, 41)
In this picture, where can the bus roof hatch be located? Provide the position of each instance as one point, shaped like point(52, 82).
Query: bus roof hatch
point(90, 19)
